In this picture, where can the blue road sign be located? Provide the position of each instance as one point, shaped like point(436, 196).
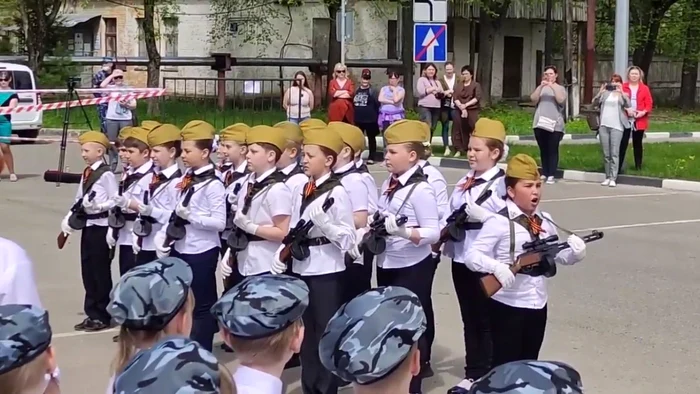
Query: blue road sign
point(429, 43)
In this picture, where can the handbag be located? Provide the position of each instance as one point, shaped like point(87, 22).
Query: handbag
point(593, 120)
point(546, 123)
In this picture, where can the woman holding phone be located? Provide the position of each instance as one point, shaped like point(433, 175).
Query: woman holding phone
point(298, 99)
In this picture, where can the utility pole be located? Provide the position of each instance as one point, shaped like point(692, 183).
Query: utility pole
point(342, 32)
point(568, 54)
point(622, 24)
point(590, 60)
point(548, 35)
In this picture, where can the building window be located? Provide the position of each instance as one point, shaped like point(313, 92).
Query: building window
point(392, 40)
point(111, 37)
point(171, 32)
point(142, 39)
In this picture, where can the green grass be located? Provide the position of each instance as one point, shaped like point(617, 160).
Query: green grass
point(661, 160)
point(179, 111)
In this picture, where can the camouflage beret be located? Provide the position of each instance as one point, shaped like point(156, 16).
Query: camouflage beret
point(262, 305)
point(24, 334)
point(174, 365)
point(371, 335)
point(150, 295)
point(530, 377)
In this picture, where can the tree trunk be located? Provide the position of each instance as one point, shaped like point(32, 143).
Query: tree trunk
point(689, 76)
point(149, 35)
point(407, 54)
point(651, 22)
point(488, 27)
point(333, 43)
point(38, 18)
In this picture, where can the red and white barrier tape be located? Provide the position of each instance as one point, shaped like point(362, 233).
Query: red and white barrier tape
point(84, 103)
point(91, 90)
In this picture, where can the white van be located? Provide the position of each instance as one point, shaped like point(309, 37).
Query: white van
point(24, 124)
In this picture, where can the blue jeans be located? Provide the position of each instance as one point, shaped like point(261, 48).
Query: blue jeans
point(203, 265)
point(298, 120)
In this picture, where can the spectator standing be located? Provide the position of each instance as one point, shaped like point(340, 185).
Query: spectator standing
point(391, 99)
point(97, 79)
point(119, 113)
point(548, 123)
point(641, 104)
point(430, 95)
point(467, 101)
point(614, 105)
point(448, 84)
point(340, 92)
point(7, 100)
point(298, 99)
point(367, 112)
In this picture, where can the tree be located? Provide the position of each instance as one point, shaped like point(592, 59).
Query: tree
point(37, 20)
point(649, 16)
point(491, 16)
point(691, 56)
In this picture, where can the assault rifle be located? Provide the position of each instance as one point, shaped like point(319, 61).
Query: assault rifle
point(374, 241)
point(295, 242)
point(536, 260)
point(458, 224)
point(77, 220)
point(176, 225)
point(143, 226)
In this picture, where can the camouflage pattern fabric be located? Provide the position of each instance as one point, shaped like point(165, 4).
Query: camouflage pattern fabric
point(262, 305)
point(530, 377)
point(24, 334)
point(150, 295)
point(175, 365)
point(372, 334)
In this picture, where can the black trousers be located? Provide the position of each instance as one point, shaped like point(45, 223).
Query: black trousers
point(637, 138)
point(145, 256)
point(127, 259)
point(548, 143)
point(95, 268)
point(517, 333)
point(326, 295)
point(371, 130)
point(359, 277)
point(203, 287)
point(418, 279)
point(474, 308)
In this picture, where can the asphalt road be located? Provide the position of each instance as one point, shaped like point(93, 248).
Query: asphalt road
point(626, 317)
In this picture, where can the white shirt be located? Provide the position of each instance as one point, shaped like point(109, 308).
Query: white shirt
point(207, 216)
point(356, 188)
point(135, 191)
point(252, 381)
point(116, 111)
point(295, 180)
point(451, 85)
point(422, 213)
point(105, 188)
point(371, 185)
point(458, 250)
point(163, 201)
point(271, 201)
point(439, 184)
point(17, 284)
point(610, 116)
point(492, 247)
point(329, 258)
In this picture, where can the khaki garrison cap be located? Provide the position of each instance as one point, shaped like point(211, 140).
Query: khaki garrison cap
point(236, 133)
point(268, 135)
point(197, 130)
point(97, 137)
point(522, 166)
point(163, 134)
point(489, 128)
point(351, 135)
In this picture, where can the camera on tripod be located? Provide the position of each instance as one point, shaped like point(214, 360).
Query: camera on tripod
point(73, 82)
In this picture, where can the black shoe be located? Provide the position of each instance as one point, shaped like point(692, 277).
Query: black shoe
point(82, 325)
point(226, 348)
point(96, 325)
point(343, 384)
point(426, 371)
point(293, 362)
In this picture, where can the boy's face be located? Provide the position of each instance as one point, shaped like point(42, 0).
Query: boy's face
point(136, 158)
point(123, 154)
point(162, 156)
point(258, 158)
point(231, 151)
point(91, 152)
point(192, 156)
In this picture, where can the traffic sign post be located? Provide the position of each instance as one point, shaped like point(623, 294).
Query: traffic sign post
point(430, 11)
point(429, 43)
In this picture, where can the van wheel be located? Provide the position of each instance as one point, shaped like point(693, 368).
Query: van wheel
point(33, 134)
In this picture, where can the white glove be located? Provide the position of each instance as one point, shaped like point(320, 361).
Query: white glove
point(578, 247)
point(65, 227)
point(277, 266)
point(370, 220)
point(145, 210)
point(159, 239)
point(224, 268)
point(95, 207)
point(182, 211)
point(244, 223)
point(355, 252)
point(504, 275)
point(320, 219)
point(475, 212)
point(232, 199)
point(111, 242)
point(120, 201)
point(135, 243)
point(394, 229)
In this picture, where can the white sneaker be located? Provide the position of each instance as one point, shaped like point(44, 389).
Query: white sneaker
point(448, 152)
point(13, 178)
point(458, 154)
point(466, 384)
point(613, 183)
point(542, 177)
point(550, 180)
point(606, 182)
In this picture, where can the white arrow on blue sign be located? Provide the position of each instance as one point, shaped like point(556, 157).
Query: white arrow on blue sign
point(429, 43)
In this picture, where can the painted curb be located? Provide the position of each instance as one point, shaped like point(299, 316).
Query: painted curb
point(593, 177)
point(437, 141)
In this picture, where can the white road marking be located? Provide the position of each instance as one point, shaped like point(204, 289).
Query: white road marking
point(607, 197)
point(635, 225)
point(83, 333)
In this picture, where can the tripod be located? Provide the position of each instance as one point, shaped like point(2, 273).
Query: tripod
point(71, 84)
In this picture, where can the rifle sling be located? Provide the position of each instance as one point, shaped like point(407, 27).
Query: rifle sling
point(93, 178)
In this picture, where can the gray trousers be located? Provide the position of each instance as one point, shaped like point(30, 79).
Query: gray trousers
point(112, 128)
point(610, 140)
